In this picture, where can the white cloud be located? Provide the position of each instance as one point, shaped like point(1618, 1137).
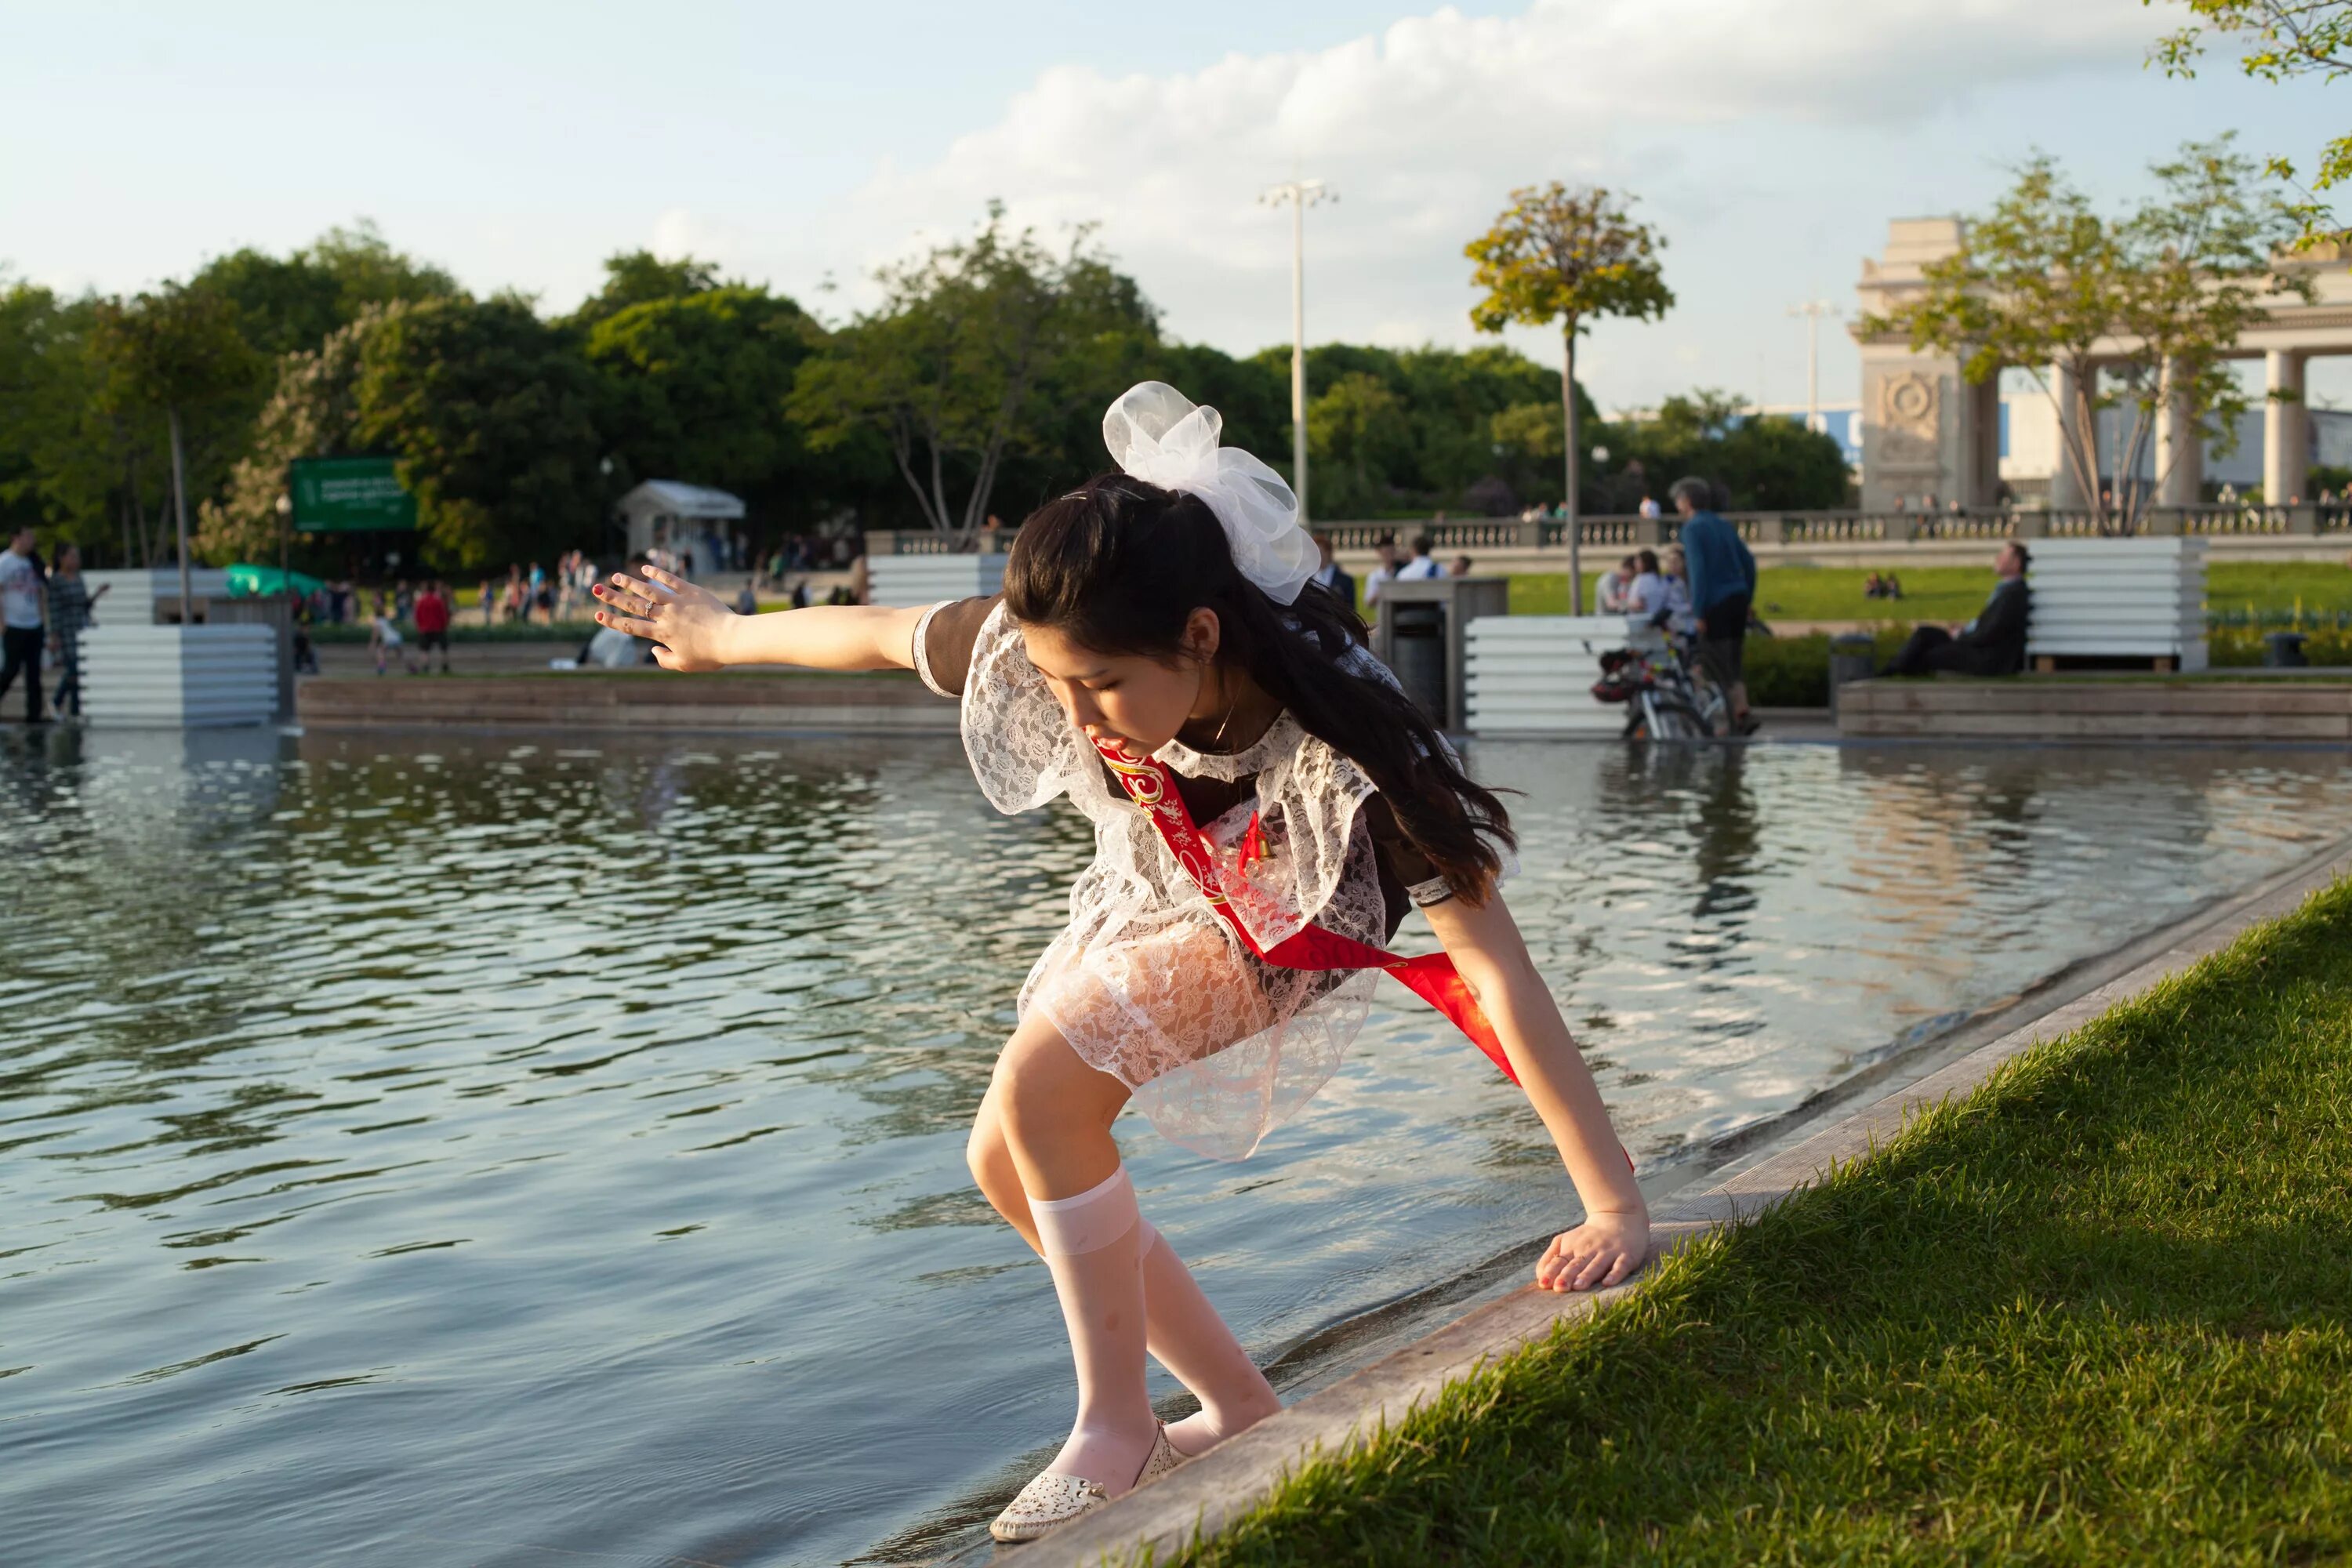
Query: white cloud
point(1425, 129)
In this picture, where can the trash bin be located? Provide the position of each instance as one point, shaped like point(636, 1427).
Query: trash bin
point(1853, 657)
point(1418, 655)
point(2284, 650)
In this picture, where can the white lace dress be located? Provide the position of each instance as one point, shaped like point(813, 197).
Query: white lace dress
point(1147, 982)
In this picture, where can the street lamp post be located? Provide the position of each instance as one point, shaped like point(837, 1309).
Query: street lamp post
point(285, 527)
point(1813, 310)
point(1301, 195)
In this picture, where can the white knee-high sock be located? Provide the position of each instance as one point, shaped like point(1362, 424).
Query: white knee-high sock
point(1186, 1336)
point(1090, 1243)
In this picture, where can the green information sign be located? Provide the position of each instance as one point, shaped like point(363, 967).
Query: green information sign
point(335, 495)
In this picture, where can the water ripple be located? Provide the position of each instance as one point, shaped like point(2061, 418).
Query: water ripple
point(466, 1150)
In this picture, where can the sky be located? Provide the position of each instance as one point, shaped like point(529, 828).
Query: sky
point(518, 143)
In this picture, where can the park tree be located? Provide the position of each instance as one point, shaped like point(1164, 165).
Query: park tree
point(73, 460)
point(696, 384)
point(981, 349)
point(1449, 398)
point(294, 302)
point(1566, 256)
point(312, 411)
point(2281, 40)
point(1358, 431)
point(492, 414)
point(641, 278)
point(2130, 312)
point(178, 356)
point(1762, 462)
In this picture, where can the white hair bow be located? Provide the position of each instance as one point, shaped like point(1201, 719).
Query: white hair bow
point(1158, 434)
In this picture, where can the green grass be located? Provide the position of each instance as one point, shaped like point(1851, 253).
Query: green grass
point(1957, 592)
point(2095, 1313)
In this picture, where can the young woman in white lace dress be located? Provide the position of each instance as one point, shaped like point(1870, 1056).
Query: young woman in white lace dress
point(1266, 805)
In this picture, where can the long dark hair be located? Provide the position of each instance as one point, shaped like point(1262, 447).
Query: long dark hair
point(1120, 565)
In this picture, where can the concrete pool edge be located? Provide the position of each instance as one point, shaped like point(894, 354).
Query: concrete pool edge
point(1209, 1493)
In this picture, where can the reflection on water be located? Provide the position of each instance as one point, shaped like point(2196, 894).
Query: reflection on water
point(460, 1151)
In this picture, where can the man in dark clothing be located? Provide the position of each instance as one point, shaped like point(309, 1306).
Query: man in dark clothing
point(1722, 586)
point(1332, 575)
point(1992, 644)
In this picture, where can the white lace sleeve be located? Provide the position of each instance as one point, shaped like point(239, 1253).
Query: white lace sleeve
point(1023, 748)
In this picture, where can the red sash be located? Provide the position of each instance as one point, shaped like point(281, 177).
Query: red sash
point(1152, 787)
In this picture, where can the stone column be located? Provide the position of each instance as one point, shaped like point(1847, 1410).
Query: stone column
point(2066, 492)
point(2180, 449)
point(2286, 438)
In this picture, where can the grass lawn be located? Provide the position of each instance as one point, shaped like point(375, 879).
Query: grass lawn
point(2099, 1312)
point(1957, 592)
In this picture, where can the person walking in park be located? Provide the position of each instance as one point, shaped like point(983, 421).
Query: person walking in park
point(1722, 587)
point(1154, 646)
point(1992, 644)
point(385, 640)
point(69, 606)
point(24, 614)
point(431, 613)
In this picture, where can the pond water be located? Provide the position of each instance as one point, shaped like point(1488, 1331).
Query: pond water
point(487, 1151)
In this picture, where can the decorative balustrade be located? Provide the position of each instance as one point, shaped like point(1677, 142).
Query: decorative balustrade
point(1621, 532)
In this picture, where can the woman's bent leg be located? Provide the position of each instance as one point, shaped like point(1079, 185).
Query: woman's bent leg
point(1182, 1330)
point(1057, 1113)
point(1191, 1341)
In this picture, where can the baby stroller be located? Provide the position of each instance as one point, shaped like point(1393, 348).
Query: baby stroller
point(1655, 675)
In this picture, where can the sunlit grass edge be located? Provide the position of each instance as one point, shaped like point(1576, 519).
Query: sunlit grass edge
point(2095, 1313)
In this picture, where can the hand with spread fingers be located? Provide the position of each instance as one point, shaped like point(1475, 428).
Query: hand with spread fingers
point(1606, 1249)
point(689, 625)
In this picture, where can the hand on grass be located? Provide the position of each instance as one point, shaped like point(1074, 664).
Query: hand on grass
point(1606, 1249)
point(689, 625)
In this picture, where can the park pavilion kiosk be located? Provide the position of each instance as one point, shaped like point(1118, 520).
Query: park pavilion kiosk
point(670, 514)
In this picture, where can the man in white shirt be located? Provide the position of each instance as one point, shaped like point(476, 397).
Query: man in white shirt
point(1423, 565)
point(1382, 575)
point(23, 619)
point(1650, 506)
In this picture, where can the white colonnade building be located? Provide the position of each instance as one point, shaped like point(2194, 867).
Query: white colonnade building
point(1929, 435)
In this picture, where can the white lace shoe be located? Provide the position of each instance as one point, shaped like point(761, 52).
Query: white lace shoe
point(1050, 1499)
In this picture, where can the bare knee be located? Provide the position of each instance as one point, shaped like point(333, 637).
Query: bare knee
point(987, 1154)
point(1047, 1100)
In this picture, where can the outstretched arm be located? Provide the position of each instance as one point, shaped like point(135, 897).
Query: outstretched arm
point(1610, 1245)
point(694, 629)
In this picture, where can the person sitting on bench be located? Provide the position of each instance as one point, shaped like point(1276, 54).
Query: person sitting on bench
point(1992, 644)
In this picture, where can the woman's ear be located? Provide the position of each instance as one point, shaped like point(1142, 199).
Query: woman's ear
point(1202, 633)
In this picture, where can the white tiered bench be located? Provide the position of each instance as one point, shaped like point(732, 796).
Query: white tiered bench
point(902, 582)
point(2117, 598)
point(1533, 675)
point(200, 677)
